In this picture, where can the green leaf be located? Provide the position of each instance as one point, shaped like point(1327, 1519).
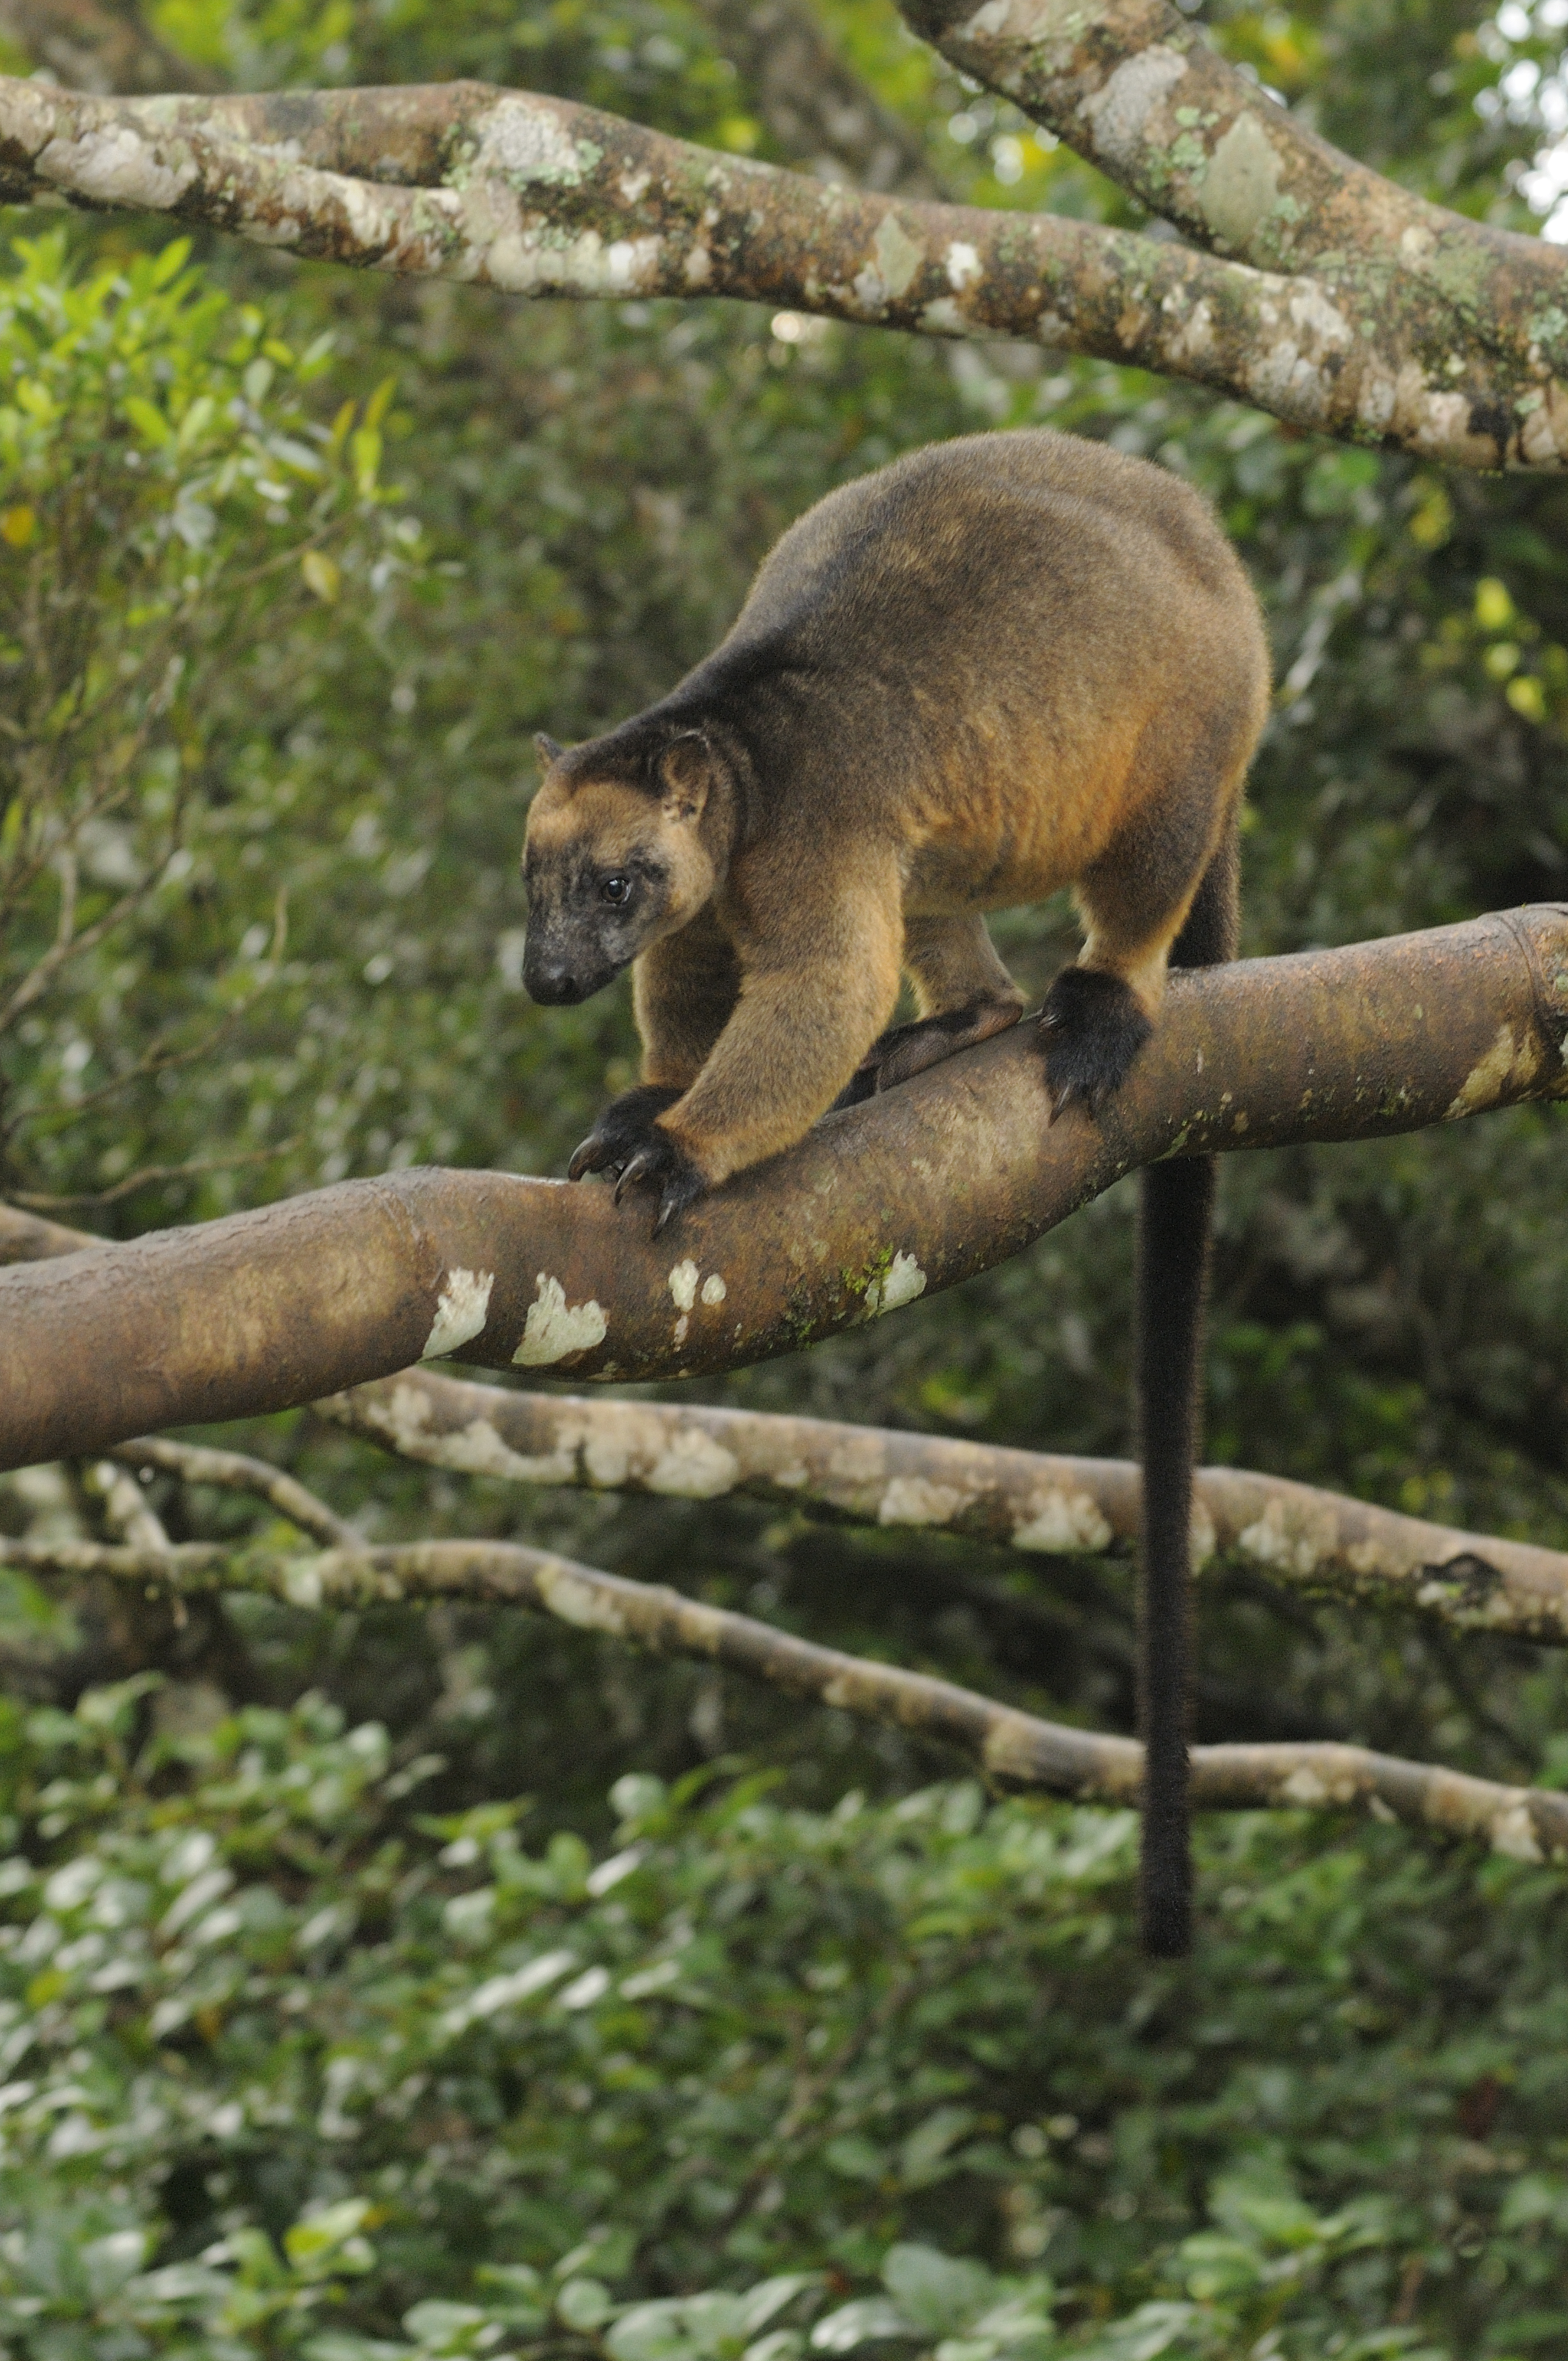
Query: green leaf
point(871, 2320)
point(936, 2293)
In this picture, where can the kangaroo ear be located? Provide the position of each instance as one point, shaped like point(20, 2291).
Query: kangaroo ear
point(548, 749)
point(686, 774)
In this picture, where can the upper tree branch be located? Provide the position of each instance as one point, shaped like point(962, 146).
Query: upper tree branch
point(927, 1184)
point(1139, 90)
point(539, 196)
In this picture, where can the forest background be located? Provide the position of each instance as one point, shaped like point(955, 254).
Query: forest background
point(507, 1989)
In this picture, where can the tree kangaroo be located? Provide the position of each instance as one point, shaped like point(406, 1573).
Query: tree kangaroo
point(1001, 666)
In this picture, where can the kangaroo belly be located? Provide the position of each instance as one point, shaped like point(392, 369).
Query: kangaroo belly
point(1019, 826)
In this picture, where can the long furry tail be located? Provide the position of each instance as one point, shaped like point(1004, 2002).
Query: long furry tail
point(1174, 1228)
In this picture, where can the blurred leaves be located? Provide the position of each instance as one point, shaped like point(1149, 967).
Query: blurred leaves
point(255, 2090)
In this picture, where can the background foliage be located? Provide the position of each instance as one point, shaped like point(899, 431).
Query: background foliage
point(292, 567)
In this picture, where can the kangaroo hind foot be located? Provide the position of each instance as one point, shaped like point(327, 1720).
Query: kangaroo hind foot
point(1092, 1027)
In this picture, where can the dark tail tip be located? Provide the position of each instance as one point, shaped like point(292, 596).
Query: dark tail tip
point(1165, 1902)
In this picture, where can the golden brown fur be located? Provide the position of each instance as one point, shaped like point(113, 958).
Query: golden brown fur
point(1002, 666)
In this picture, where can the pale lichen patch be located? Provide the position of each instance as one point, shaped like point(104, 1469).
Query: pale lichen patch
point(900, 1284)
point(1116, 115)
point(914, 1500)
point(556, 1328)
point(1308, 1786)
point(523, 140)
point(117, 168)
point(1285, 1544)
point(1513, 1830)
point(573, 1600)
point(713, 1290)
point(898, 257)
point(1059, 1523)
point(477, 1450)
point(607, 1462)
point(527, 262)
point(302, 1584)
point(1241, 185)
point(694, 1467)
point(1511, 1063)
point(964, 265)
point(460, 1311)
point(683, 1285)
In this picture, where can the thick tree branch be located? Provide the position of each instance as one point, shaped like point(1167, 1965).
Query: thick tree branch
point(1015, 1750)
point(1323, 1544)
point(947, 1175)
point(539, 196)
point(1139, 90)
point(1317, 1541)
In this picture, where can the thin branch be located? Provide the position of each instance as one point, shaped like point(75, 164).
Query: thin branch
point(816, 108)
point(68, 944)
point(923, 1186)
point(126, 1513)
point(40, 1202)
point(1316, 1541)
point(540, 196)
point(93, 47)
point(236, 1471)
point(1015, 1750)
point(25, 1239)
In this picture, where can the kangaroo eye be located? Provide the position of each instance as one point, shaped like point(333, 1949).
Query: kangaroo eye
point(616, 891)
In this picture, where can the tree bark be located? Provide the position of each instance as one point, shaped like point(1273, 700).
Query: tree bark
point(1015, 1750)
point(1315, 1542)
point(924, 1186)
point(540, 196)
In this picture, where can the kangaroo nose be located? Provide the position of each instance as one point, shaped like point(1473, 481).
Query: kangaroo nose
point(552, 983)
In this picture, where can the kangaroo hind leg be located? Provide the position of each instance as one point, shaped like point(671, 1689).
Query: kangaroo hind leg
point(1135, 901)
point(964, 994)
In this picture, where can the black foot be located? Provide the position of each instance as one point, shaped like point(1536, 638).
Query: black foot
point(626, 1126)
point(906, 1051)
point(660, 1165)
point(1091, 1029)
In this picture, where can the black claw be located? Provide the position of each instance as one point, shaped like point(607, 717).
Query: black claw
point(683, 1188)
point(661, 1165)
point(624, 1127)
point(639, 1167)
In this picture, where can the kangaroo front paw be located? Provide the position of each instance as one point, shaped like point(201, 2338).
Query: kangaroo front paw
point(626, 1126)
point(659, 1164)
point(1091, 1029)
